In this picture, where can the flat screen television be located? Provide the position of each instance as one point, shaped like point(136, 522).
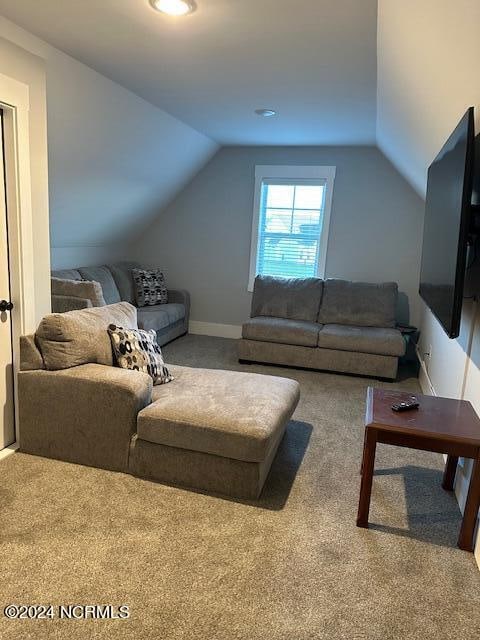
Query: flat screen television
point(448, 218)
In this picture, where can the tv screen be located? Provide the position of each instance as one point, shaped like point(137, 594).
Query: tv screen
point(446, 227)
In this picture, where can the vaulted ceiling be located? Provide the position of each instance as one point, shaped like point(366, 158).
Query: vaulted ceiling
point(314, 61)
point(428, 58)
point(114, 160)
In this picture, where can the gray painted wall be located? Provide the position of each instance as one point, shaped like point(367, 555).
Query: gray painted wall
point(202, 239)
point(83, 256)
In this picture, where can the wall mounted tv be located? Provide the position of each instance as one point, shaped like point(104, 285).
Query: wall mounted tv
point(448, 225)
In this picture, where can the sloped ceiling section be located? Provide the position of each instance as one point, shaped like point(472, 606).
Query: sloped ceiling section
point(312, 60)
point(428, 75)
point(114, 159)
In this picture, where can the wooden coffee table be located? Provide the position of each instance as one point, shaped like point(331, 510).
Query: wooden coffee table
point(441, 425)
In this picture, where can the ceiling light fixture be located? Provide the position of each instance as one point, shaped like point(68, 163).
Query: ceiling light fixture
point(174, 7)
point(265, 113)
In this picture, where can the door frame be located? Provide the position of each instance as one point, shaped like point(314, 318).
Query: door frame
point(15, 105)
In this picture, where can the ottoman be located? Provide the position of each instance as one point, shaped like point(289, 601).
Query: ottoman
point(217, 431)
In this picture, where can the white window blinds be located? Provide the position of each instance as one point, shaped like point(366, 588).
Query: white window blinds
point(290, 227)
point(291, 218)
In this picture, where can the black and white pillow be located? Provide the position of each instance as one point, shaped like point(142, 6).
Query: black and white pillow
point(150, 287)
point(138, 350)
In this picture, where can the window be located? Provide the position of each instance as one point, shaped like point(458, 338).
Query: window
point(290, 221)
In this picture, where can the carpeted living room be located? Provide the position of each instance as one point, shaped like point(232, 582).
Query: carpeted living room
point(239, 320)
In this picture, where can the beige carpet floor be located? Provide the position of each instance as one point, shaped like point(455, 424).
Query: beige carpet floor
point(291, 567)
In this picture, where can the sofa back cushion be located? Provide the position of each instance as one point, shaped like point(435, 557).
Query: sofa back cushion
point(30, 356)
point(67, 274)
point(291, 298)
point(79, 289)
point(122, 274)
point(80, 337)
point(105, 278)
point(359, 303)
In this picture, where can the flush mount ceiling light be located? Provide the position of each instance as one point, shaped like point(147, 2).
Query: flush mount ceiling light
point(174, 7)
point(265, 113)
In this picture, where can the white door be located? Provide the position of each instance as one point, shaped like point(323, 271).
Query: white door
point(7, 415)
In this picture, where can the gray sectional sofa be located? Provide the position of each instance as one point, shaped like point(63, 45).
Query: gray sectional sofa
point(336, 325)
point(169, 320)
point(196, 431)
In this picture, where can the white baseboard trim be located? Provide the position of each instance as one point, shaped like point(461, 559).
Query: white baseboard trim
point(213, 329)
point(4, 453)
point(423, 377)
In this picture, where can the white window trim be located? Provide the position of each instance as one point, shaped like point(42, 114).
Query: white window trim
point(296, 172)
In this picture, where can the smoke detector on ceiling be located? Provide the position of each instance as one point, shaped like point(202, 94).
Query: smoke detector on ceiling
point(265, 113)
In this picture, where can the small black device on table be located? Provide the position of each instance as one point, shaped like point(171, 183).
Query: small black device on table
point(406, 405)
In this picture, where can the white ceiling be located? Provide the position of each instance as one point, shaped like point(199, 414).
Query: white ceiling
point(428, 54)
point(312, 60)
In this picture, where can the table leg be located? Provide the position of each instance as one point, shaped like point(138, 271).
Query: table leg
point(449, 473)
point(368, 464)
point(467, 531)
point(363, 454)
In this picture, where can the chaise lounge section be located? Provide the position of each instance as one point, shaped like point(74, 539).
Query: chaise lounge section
point(215, 430)
point(210, 430)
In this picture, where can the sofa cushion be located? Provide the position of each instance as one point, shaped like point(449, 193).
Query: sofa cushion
point(67, 274)
point(359, 303)
point(122, 274)
point(281, 330)
point(80, 337)
point(138, 350)
point(79, 289)
point(105, 278)
point(292, 298)
point(160, 316)
point(30, 356)
point(376, 340)
point(61, 304)
point(224, 413)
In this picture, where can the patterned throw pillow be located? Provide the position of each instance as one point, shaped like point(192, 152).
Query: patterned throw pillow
point(150, 287)
point(138, 350)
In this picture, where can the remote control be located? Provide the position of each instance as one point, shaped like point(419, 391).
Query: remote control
point(406, 405)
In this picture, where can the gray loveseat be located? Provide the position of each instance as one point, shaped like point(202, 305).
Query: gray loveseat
point(196, 431)
point(336, 325)
point(169, 320)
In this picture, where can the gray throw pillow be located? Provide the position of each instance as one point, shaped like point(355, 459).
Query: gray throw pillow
point(138, 350)
point(150, 287)
point(89, 290)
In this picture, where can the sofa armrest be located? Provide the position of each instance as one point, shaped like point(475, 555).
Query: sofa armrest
point(86, 414)
point(60, 304)
point(180, 296)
